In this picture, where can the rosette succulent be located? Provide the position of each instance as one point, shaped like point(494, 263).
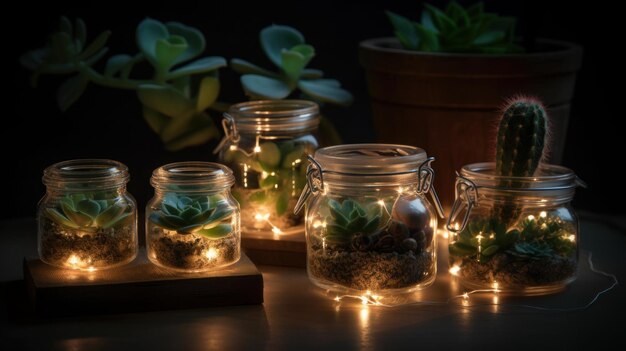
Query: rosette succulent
point(456, 29)
point(89, 212)
point(202, 215)
point(349, 219)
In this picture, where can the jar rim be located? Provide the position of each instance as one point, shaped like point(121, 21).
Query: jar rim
point(94, 173)
point(549, 177)
point(192, 176)
point(275, 115)
point(371, 159)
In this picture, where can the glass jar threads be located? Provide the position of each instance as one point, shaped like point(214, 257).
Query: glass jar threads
point(369, 225)
point(87, 220)
point(192, 222)
point(515, 234)
point(265, 146)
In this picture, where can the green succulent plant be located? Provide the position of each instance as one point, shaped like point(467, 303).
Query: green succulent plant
point(350, 218)
point(532, 238)
point(174, 99)
point(202, 215)
point(286, 48)
point(89, 212)
point(456, 29)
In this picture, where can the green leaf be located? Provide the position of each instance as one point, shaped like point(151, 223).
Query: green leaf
point(118, 220)
point(270, 154)
point(461, 250)
point(244, 67)
point(357, 224)
point(89, 207)
point(311, 73)
point(80, 31)
point(217, 232)
point(475, 10)
point(115, 64)
point(333, 229)
point(258, 197)
point(275, 38)
point(168, 50)
point(147, 34)
point(165, 99)
point(489, 38)
point(60, 47)
point(320, 90)
point(193, 37)
point(199, 130)
point(404, 28)
point(189, 213)
point(203, 65)
point(65, 25)
point(110, 214)
point(76, 217)
point(268, 182)
point(457, 13)
point(33, 59)
point(95, 46)
point(268, 88)
point(490, 251)
point(156, 120)
point(429, 40)
point(294, 60)
point(372, 225)
point(443, 22)
point(427, 22)
point(59, 218)
point(208, 91)
point(70, 91)
point(289, 160)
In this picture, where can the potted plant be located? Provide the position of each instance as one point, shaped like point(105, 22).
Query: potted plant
point(440, 82)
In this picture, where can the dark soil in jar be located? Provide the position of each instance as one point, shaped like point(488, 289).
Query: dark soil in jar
point(193, 252)
point(61, 245)
point(515, 272)
point(370, 270)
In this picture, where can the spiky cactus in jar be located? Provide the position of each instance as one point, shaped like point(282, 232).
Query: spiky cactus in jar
point(522, 134)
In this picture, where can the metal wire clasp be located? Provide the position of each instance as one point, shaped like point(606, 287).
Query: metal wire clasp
point(465, 196)
point(231, 135)
point(314, 183)
point(426, 178)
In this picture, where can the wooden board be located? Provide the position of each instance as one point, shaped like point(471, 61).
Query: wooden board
point(139, 286)
point(287, 250)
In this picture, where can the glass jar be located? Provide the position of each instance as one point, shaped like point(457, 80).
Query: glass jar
point(515, 234)
point(87, 220)
point(369, 226)
point(265, 146)
point(192, 222)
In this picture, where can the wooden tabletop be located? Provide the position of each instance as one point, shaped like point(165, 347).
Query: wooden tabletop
point(297, 315)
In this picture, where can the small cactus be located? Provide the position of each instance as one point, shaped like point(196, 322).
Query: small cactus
point(89, 212)
point(520, 147)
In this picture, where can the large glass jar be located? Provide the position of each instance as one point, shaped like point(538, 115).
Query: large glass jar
point(265, 146)
point(515, 234)
point(369, 225)
point(192, 222)
point(87, 220)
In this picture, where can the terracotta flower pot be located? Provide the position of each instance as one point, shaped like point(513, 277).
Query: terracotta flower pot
point(449, 103)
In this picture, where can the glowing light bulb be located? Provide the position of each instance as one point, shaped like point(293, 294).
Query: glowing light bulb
point(337, 298)
point(276, 230)
point(381, 202)
point(571, 238)
point(211, 253)
point(454, 270)
point(543, 214)
point(73, 260)
point(495, 286)
point(257, 149)
point(465, 296)
point(233, 148)
point(531, 218)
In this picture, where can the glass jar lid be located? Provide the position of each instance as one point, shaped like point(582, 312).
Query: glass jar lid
point(370, 159)
point(548, 178)
point(275, 115)
point(192, 176)
point(85, 174)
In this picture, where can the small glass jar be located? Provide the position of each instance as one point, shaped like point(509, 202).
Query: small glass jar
point(192, 222)
point(265, 146)
point(369, 226)
point(87, 220)
point(518, 235)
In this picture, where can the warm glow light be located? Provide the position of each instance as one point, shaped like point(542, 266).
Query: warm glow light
point(381, 202)
point(276, 230)
point(571, 238)
point(531, 218)
point(211, 253)
point(233, 147)
point(261, 216)
point(454, 270)
point(73, 260)
point(443, 233)
point(400, 190)
point(257, 149)
point(465, 296)
point(495, 286)
point(543, 214)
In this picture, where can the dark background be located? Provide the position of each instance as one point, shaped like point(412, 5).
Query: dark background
point(107, 123)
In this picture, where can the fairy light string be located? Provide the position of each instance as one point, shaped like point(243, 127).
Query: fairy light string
point(371, 299)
